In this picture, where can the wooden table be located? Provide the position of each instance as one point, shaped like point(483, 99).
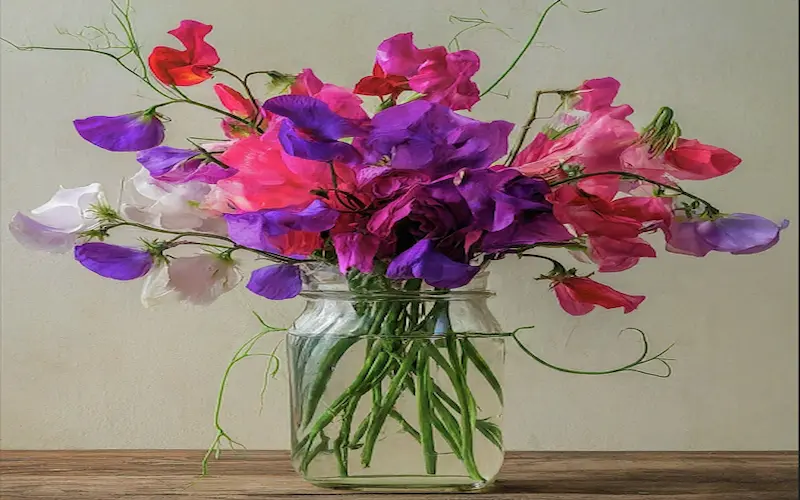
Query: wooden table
point(170, 474)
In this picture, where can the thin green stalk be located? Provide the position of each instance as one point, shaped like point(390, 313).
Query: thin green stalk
point(449, 428)
point(324, 373)
point(341, 444)
point(468, 413)
point(525, 48)
point(483, 367)
point(405, 425)
point(395, 388)
point(424, 394)
point(529, 122)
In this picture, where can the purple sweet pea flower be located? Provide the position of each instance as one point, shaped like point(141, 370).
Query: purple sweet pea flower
point(278, 282)
point(496, 197)
point(178, 166)
point(311, 130)
point(131, 132)
point(356, 250)
point(423, 135)
point(255, 229)
point(735, 233)
point(113, 261)
point(423, 261)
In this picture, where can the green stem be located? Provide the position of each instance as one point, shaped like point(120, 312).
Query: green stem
point(524, 48)
point(531, 118)
point(628, 175)
point(395, 388)
point(405, 425)
point(483, 367)
point(424, 394)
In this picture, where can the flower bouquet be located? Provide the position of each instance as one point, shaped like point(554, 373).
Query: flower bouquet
point(383, 204)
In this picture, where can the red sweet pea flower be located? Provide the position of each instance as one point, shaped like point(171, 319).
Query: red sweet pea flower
point(185, 67)
point(240, 106)
point(380, 84)
point(578, 296)
point(694, 160)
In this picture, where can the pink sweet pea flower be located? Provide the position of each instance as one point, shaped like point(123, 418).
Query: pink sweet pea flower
point(342, 101)
point(440, 76)
point(579, 296)
point(356, 250)
point(182, 68)
point(597, 94)
point(617, 254)
point(240, 106)
point(693, 160)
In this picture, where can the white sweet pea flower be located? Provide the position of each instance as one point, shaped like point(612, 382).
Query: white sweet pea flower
point(56, 225)
point(199, 279)
point(177, 207)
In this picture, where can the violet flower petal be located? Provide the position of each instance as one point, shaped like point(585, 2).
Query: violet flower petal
point(423, 261)
point(278, 282)
point(324, 150)
point(740, 233)
point(682, 238)
point(131, 132)
point(161, 159)
point(312, 116)
point(528, 230)
point(113, 261)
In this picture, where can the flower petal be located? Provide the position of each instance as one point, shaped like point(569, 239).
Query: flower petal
point(113, 261)
point(276, 282)
point(295, 145)
point(423, 261)
point(312, 116)
point(132, 132)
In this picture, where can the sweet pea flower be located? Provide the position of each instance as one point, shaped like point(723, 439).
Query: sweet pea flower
point(734, 233)
point(596, 94)
point(177, 207)
point(198, 279)
point(421, 135)
point(617, 254)
point(423, 261)
point(268, 229)
point(177, 166)
point(113, 261)
point(382, 84)
point(277, 282)
point(579, 296)
point(340, 100)
point(693, 160)
point(311, 130)
point(56, 225)
point(356, 250)
point(131, 132)
point(183, 68)
point(240, 106)
point(440, 76)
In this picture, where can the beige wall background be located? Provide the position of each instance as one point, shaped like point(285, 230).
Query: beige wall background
point(85, 366)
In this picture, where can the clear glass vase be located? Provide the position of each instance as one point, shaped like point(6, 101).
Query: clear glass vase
point(395, 386)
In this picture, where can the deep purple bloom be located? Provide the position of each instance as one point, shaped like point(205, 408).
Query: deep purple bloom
point(113, 261)
point(735, 233)
point(255, 229)
point(529, 228)
point(497, 197)
point(177, 166)
point(131, 132)
point(278, 282)
point(311, 130)
point(423, 261)
point(424, 135)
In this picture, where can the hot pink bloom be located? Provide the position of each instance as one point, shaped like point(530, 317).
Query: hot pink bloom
point(185, 67)
point(267, 177)
point(693, 160)
point(440, 76)
point(597, 94)
point(240, 106)
point(617, 254)
point(342, 101)
point(593, 215)
point(579, 296)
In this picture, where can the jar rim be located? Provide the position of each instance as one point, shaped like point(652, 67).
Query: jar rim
point(404, 295)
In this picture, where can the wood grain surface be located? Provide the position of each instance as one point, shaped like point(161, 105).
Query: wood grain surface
point(171, 474)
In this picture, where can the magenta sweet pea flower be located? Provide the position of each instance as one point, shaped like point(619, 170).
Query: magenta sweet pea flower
point(735, 233)
point(442, 77)
point(177, 166)
point(261, 229)
point(113, 261)
point(423, 261)
point(597, 94)
point(278, 282)
point(311, 130)
point(356, 250)
point(131, 132)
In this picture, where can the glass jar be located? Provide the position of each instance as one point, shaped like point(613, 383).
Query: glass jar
point(396, 386)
